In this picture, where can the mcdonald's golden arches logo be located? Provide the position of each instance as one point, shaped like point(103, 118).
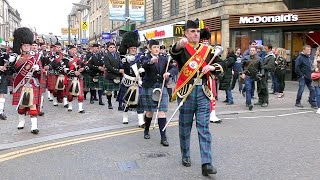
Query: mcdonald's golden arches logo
point(178, 30)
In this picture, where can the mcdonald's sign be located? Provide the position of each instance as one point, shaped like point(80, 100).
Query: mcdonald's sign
point(178, 30)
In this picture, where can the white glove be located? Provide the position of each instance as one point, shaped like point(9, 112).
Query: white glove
point(66, 70)
point(141, 70)
point(36, 67)
point(13, 57)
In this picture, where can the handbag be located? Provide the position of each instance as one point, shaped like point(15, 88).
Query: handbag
point(315, 75)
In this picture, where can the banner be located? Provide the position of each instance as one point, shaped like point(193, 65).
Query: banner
point(137, 10)
point(117, 10)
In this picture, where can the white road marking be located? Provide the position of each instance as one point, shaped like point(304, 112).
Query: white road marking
point(275, 116)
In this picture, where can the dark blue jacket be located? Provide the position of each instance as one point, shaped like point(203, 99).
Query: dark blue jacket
point(303, 66)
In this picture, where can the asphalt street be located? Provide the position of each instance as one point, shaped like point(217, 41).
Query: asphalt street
point(277, 142)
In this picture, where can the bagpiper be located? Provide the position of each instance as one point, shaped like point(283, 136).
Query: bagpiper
point(130, 88)
point(75, 86)
point(194, 59)
point(3, 82)
point(114, 72)
point(155, 74)
point(95, 68)
point(26, 87)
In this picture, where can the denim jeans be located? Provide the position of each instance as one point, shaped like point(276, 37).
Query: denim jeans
point(317, 90)
point(248, 84)
point(275, 82)
point(253, 88)
point(229, 96)
point(302, 83)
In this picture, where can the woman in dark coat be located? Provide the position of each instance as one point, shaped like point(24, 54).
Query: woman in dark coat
point(225, 81)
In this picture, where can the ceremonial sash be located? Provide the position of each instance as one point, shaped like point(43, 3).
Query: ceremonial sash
point(192, 66)
point(26, 68)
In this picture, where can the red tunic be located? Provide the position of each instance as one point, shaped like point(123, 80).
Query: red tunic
point(36, 87)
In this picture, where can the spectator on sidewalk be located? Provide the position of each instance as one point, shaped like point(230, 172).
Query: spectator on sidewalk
point(237, 70)
point(225, 81)
point(260, 52)
point(280, 70)
point(251, 44)
point(303, 70)
point(316, 83)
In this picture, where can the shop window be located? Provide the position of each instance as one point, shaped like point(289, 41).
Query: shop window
point(174, 7)
point(157, 9)
point(215, 38)
point(198, 4)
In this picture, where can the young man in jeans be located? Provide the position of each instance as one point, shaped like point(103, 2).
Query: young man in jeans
point(303, 70)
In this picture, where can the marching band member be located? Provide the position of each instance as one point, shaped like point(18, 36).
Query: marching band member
point(114, 72)
point(192, 58)
point(26, 83)
point(95, 67)
point(3, 82)
point(75, 80)
point(204, 38)
point(155, 73)
point(51, 78)
point(130, 88)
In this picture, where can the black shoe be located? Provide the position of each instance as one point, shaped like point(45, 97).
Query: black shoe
point(125, 122)
point(110, 106)
point(250, 107)
point(146, 135)
point(35, 131)
point(55, 105)
point(231, 103)
point(95, 99)
point(120, 108)
point(20, 128)
point(258, 104)
point(314, 107)
point(41, 113)
point(164, 142)
point(299, 105)
point(264, 105)
point(82, 112)
point(101, 103)
point(142, 126)
point(66, 106)
point(217, 122)
point(225, 101)
point(91, 101)
point(50, 100)
point(186, 161)
point(69, 110)
point(3, 117)
point(208, 169)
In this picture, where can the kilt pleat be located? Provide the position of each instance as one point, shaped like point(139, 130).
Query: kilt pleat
point(98, 84)
point(51, 80)
point(81, 86)
point(109, 85)
point(149, 105)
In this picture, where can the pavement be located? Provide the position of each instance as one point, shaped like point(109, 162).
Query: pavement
point(58, 123)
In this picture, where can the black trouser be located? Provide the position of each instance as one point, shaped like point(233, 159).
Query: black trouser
point(262, 88)
point(235, 80)
point(281, 75)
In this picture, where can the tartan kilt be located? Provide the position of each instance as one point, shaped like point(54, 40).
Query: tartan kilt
point(4, 84)
point(81, 87)
point(98, 84)
point(86, 80)
point(52, 80)
point(36, 94)
point(109, 85)
point(43, 82)
point(149, 105)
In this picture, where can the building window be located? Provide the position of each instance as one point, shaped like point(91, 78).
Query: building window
point(214, 1)
point(157, 9)
point(198, 3)
point(174, 7)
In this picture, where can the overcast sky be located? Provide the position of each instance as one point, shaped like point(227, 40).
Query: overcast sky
point(44, 15)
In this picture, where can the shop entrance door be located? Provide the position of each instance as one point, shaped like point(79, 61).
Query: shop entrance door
point(295, 41)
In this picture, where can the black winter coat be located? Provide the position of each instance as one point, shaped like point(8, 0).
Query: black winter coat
point(228, 63)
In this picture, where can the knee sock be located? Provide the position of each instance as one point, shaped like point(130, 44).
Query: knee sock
point(92, 93)
point(162, 122)
point(147, 123)
point(100, 93)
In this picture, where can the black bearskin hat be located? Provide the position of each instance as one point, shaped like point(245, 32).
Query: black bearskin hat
point(21, 36)
point(129, 39)
point(205, 34)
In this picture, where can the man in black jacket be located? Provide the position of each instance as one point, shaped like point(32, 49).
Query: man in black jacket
point(303, 70)
point(262, 82)
point(114, 73)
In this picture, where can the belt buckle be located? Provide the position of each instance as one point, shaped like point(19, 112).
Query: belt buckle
point(199, 83)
